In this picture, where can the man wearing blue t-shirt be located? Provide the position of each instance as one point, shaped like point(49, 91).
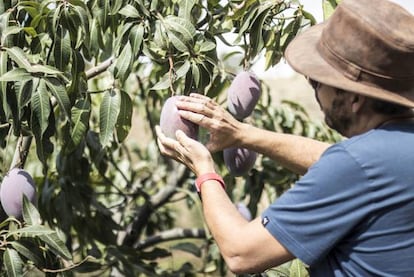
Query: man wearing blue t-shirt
point(352, 212)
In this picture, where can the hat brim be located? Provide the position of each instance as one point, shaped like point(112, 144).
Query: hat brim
point(303, 56)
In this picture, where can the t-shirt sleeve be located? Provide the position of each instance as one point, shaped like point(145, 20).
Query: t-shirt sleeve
point(321, 208)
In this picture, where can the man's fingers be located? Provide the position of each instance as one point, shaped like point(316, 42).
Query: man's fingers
point(200, 96)
point(196, 118)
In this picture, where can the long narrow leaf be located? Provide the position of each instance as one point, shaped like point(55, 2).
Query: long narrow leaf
point(13, 263)
point(56, 245)
point(123, 124)
point(30, 214)
point(58, 90)
point(29, 253)
point(19, 57)
point(32, 231)
point(16, 74)
point(41, 106)
point(108, 114)
point(80, 121)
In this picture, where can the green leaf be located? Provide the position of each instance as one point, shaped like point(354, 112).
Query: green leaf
point(29, 253)
point(328, 7)
point(177, 42)
point(129, 11)
point(25, 92)
point(186, 7)
point(30, 214)
point(181, 26)
point(82, 15)
point(31, 231)
point(62, 51)
point(136, 36)
point(123, 63)
point(16, 74)
point(123, 124)
point(3, 70)
point(13, 263)
point(11, 30)
point(80, 120)
point(19, 57)
point(163, 83)
point(298, 269)
point(108, 114)
point(56, 244)
point(196, 73)
point(256, 31)
point(45, 69)
point(58, 90)
point(41, 106)
point(207, 46)
point(182, 71)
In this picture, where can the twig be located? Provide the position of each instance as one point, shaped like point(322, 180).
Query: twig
point(171, 73)
point(169, 235)
point(21, 152)
point(95, 71)
point(153, 203)
point(72, 266)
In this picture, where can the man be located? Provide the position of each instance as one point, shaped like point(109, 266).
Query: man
point(352, 212)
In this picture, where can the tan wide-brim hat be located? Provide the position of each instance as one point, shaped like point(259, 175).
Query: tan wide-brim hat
point(366, 47)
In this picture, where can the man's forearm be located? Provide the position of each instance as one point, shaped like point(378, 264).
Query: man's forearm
point(294, 152)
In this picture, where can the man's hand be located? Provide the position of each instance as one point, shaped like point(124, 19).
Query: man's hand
point(187, 151)
point(224, 130)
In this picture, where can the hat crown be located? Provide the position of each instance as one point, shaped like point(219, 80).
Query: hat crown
point(371, 43)
point(366, 47)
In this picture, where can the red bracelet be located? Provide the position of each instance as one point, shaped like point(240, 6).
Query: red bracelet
point(206, 177)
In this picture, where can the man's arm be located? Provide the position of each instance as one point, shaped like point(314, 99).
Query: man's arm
point(247, 247)
point(294, 152)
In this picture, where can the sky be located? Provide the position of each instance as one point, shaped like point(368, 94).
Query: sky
point(282, 69)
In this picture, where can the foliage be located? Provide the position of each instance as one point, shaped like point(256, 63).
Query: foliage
point(72, 75)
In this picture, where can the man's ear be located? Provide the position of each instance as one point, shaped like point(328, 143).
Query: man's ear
point(357, 101)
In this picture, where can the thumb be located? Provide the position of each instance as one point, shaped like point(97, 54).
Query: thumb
point(181, 137)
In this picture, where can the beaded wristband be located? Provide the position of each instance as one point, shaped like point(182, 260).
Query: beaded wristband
point(206, 177)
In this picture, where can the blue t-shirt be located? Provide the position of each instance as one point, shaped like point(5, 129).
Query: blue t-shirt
point(352, 213)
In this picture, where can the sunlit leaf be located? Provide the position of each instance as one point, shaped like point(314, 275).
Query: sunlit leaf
point(30, 214)
point(16, 74)
point(129, 11)
point(185, 8)
point(181, 26)
point(32, 231)
point(19, 57)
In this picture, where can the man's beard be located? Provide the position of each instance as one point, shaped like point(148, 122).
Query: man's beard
point(338, 118)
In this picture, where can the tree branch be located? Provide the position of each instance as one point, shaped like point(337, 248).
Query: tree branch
point(95, 71)
point(169, 235)
point(156, 201)
point(21, 152)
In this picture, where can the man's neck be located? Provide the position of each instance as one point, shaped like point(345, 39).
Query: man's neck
point(374, 120)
